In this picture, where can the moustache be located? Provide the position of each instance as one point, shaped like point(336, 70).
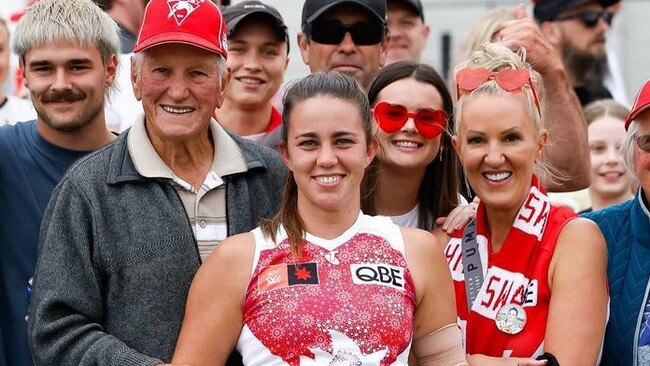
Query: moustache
point(62, 96)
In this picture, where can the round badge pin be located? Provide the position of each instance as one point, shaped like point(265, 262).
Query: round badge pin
point(511, 319)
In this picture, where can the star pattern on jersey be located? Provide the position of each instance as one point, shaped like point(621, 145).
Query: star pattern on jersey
point(370, 322)
point(303, 274)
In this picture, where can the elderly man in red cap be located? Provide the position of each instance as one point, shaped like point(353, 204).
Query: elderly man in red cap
point(626, 228)
point(128, 227)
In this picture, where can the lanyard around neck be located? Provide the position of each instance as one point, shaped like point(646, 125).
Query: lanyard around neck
point(472, 268)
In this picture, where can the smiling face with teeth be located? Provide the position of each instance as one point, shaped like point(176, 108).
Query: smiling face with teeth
point(498, 145)
point(327, 151)
point(407, 149)
point(179, 86)
point(610, 180)
point(257, 56)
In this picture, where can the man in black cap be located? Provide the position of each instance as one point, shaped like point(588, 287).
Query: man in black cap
point(346, 36)
point(258, 46)
point(408, 33)
point(577, 28)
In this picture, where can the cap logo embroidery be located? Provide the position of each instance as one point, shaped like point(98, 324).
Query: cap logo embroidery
point(181, 9)
point(224, 42)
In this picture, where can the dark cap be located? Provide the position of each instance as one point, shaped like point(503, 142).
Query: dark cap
point(549, 10)
point(234, 14)
point(416, 5)
point(313, 9)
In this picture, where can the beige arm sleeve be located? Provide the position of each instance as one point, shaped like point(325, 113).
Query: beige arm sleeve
point(441, 348)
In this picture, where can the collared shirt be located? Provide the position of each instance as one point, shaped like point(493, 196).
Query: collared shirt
point(205, 206)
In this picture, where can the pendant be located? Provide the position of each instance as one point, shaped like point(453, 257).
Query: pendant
point(511, 319)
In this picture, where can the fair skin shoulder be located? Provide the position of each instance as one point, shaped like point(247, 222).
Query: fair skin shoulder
point(578, 283)
point(435, 302)
point(216, 320)
point(567, 151)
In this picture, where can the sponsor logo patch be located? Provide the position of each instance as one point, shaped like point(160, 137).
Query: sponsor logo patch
point(378, 274)
point(181, 9)
point(283, 275)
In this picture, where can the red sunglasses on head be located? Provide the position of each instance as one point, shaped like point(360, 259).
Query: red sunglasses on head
point(392, 117)
point(508, 79)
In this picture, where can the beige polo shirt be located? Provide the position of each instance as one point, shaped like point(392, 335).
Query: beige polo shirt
point(205, 207)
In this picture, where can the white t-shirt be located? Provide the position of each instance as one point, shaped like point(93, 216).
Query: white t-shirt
point(16, 110)
point(410, 219)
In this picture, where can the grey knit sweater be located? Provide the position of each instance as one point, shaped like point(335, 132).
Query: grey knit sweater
point(117, 255)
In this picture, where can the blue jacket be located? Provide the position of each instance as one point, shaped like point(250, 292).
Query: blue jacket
point(626, 228)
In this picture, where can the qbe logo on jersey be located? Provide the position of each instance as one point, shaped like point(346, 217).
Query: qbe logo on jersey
point(378, 274)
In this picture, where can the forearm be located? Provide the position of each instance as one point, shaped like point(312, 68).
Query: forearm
point(567, 151)
point(442, 347)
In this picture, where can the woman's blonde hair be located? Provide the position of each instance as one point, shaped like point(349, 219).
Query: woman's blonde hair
point(495, 57)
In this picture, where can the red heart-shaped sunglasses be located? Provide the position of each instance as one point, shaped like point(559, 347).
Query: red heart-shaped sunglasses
point(392, 117)
point(509, 80)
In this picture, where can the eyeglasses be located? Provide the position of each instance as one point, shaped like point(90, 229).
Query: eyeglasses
point(392, 117)
point(333, 31)
point(590, 17)
point(508, 79)
point(643, 142)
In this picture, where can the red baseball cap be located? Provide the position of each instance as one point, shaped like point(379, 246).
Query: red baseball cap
point(641, 103)
point(195, 22)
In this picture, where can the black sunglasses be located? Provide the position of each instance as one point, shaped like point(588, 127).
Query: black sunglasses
point(333, 31)
point(643, 142)
point(590, 17)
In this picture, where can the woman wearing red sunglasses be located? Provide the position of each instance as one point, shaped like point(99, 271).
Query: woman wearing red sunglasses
point(414, 176)
point(529, 277)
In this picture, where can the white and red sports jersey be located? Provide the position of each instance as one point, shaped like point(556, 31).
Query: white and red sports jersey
point(347, 301)
point(516, 274)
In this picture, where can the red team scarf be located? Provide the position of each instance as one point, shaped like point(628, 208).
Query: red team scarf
point(530, 222)
point(508, 317)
